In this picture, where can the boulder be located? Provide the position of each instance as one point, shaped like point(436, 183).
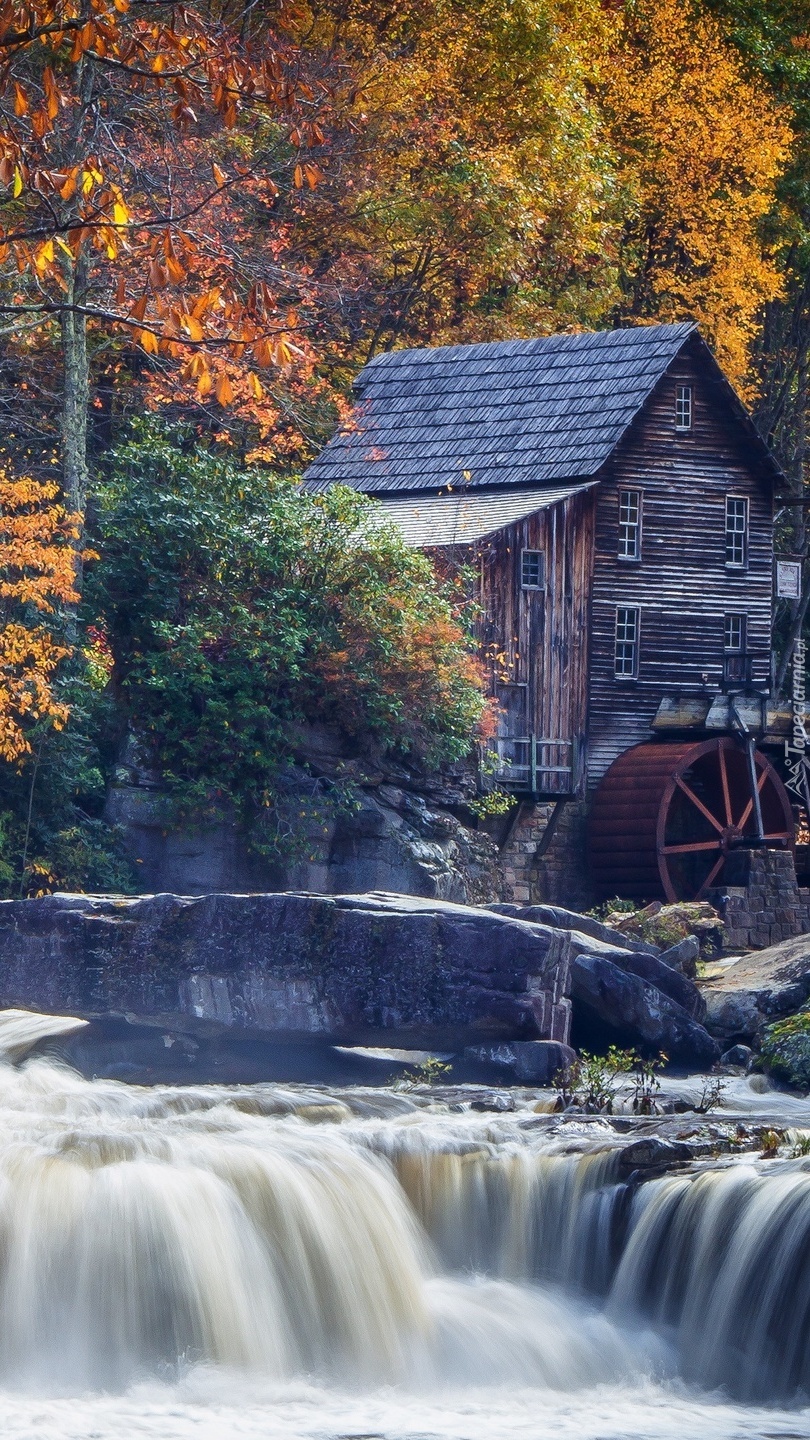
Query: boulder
point(654, 972)
point(651, 1154)
point(519, 1062)
point(739, 1056)
point(350, 970)
point(654, 1006)
point(630, 1010)
point(683, 956)
point(571, 920)
point(757, 989)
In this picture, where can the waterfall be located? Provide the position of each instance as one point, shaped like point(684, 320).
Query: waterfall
point(374, 1241)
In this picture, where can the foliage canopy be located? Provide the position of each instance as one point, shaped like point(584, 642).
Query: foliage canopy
point(237, 607)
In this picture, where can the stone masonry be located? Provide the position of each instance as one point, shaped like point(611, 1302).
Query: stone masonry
point(560, 875)
point(767, 905)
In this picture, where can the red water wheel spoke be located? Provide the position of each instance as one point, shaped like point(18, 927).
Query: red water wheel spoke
point(711, 877)
point(721, 756)
point(692, 847)
point(690, 795)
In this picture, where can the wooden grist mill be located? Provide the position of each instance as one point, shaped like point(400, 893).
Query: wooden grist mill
point(614, 502)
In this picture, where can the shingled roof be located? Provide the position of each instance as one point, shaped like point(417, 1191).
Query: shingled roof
point(514, 412)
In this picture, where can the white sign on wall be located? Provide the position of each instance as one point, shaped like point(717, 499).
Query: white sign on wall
point(788, 579)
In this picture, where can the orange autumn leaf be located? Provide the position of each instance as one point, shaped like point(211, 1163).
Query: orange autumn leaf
point(224, 390)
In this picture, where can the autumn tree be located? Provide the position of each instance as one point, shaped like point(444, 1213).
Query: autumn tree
point(700, 150)
point(468, 192)
point(113, 119)
point(36, 582)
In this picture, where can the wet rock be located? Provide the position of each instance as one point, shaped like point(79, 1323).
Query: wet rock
point(347, 970)
point(520, 1062)
point(740, 1055)
point(500, 1104)
point(631, 1010)
point(683, 956)
point(653, 1153)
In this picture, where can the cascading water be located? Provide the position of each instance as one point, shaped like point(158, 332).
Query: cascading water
point(325, 1265)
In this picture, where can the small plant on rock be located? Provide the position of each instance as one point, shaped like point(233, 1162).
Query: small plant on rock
point(593, 1081)
point(428, 1072)
point(646, 1084)
point(714, 1088)
point(771, 1142)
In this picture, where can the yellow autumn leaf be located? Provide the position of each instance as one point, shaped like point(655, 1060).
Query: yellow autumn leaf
point(149, 342)
point(224, 390)
point(18, 183)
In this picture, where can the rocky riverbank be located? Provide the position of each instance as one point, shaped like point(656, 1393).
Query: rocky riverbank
point(235, 973)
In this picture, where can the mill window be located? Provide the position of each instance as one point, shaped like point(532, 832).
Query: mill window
point(627, 633)
point(683, 407)
point(629, 524)
point(532, 569)
point(736, 531)
point(735, 659)
point(734, 633)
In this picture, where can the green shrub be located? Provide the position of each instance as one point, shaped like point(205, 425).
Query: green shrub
point(238, 607)
point(786, 1049)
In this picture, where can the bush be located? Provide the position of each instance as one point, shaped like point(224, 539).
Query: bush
point(53, 835)
point(237, 607)
point(786, 1049)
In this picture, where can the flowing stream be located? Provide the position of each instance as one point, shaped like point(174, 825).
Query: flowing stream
point(267, 1262)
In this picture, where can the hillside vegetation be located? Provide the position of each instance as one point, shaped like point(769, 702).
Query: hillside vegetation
point(210, 218)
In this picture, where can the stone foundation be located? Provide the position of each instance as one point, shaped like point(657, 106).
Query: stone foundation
point(559, 876)
point(766, 906)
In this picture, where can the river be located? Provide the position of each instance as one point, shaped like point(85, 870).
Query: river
point(205, 1262)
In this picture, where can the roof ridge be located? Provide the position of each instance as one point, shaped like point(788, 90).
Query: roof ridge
point(558, 340)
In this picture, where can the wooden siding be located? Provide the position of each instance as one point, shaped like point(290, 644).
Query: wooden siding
point(536, 641)
point(681, 585)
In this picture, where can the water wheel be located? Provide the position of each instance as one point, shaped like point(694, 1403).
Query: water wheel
point(667, 818)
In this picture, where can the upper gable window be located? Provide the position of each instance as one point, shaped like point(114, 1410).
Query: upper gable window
point(737, 531)
point(532, 569)
point(683, 408)
point(629, 524)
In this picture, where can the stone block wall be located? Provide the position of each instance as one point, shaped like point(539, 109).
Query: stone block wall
point(560, 875)
point(767, 905)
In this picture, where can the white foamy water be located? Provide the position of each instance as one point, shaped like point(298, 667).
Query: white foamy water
point(263, 1261)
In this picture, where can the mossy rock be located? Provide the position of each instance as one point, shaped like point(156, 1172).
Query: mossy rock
point(786, 1049)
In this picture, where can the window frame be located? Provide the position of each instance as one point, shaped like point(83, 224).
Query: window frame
point(734, 499)
point(684, 405)
point(633, 642)
point(729, 648)
point(540, 584)
point(736, 657)
point(638, 525)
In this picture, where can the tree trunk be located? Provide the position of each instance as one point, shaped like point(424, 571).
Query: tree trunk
point(75, 387)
